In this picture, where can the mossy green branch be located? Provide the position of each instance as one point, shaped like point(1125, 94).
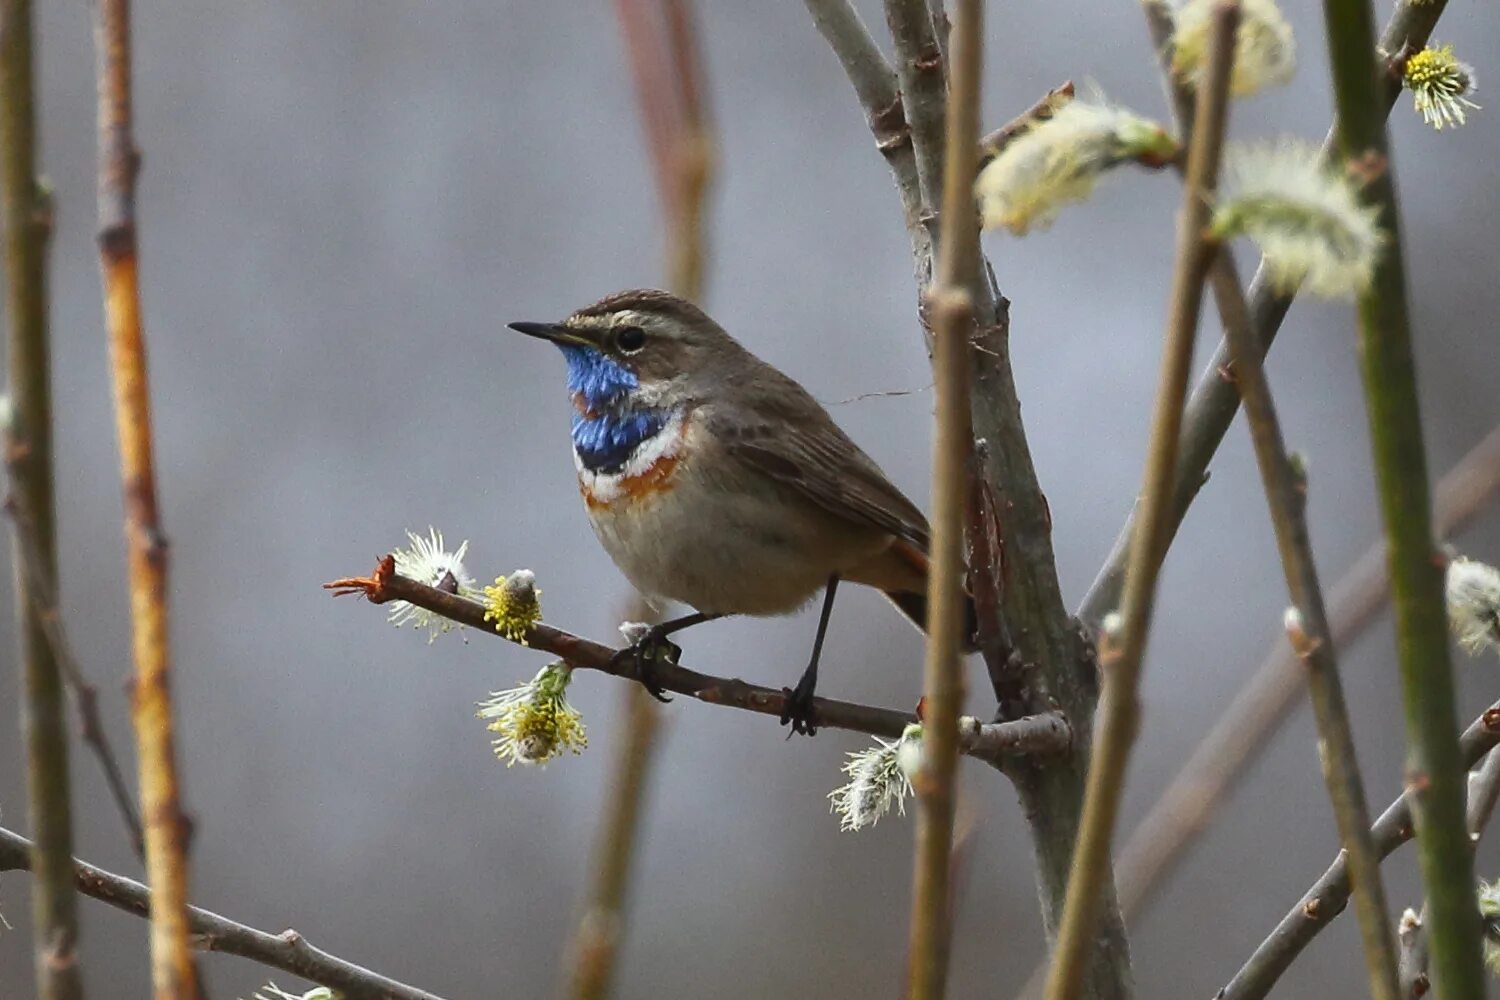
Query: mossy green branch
point(27, 221)
point(1435, 775)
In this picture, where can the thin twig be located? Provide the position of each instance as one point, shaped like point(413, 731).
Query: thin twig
point(1119, 705)
point(994, 143)
point(44, 600)
point(991, 741)
point(1389, 376)
point(1245, 728)
point(952, 306)
point(591, 957)
point(27, 215)
point(1330, 894)
point(151, 705)
point(1215, 400)
point(919, 68)
point(288, 951)
point(1312, 641)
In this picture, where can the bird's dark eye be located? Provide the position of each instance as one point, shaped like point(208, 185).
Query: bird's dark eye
point(630, 339)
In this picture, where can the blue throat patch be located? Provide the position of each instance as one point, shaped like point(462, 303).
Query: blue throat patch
point(611, 431)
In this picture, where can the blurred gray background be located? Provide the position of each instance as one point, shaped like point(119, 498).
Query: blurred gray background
point(343, 202)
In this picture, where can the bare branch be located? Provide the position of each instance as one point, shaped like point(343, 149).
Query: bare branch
point(288, 951)
point(1330, 894)
point(1121, 664)
point(990, 742)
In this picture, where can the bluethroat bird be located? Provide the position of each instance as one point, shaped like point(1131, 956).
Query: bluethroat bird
point(714, 480)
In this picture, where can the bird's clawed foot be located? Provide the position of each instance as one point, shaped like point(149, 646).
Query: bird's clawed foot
point(644, 656)
point(798, 708)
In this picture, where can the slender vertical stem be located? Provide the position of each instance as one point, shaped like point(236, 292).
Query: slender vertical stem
point(952, 305)
point(592, 955)
point(151, 705)
point(1313, 640)
point(27, 217)
point(1119, 709)
point(1434, 773)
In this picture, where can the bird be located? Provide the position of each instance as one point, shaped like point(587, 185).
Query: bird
point(714, 480)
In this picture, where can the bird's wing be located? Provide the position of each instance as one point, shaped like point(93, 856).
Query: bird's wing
point(785, 433)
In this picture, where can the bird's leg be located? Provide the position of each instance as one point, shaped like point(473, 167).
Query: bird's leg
point(798, 707)
point(653, 647)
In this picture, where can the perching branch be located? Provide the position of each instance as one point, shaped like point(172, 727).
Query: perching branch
point(1389, 375)
point(288, 951)
point(1312, 641)
point(952, 305)
point(1330, 894)
point(26, 210)
point(1215, 400)
point(990, 742)
point(151, 705)
point(1243, 731)
point(1121, 658)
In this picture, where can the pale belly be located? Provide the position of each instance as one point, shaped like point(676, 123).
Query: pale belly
point(716, 537)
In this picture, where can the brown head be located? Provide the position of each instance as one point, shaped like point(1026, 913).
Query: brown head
point(652, 338)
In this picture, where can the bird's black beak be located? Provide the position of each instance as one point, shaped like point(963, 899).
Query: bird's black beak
point(558, 333)
point(546, 331)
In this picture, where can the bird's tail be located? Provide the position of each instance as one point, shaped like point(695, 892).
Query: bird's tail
point(914, 607)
